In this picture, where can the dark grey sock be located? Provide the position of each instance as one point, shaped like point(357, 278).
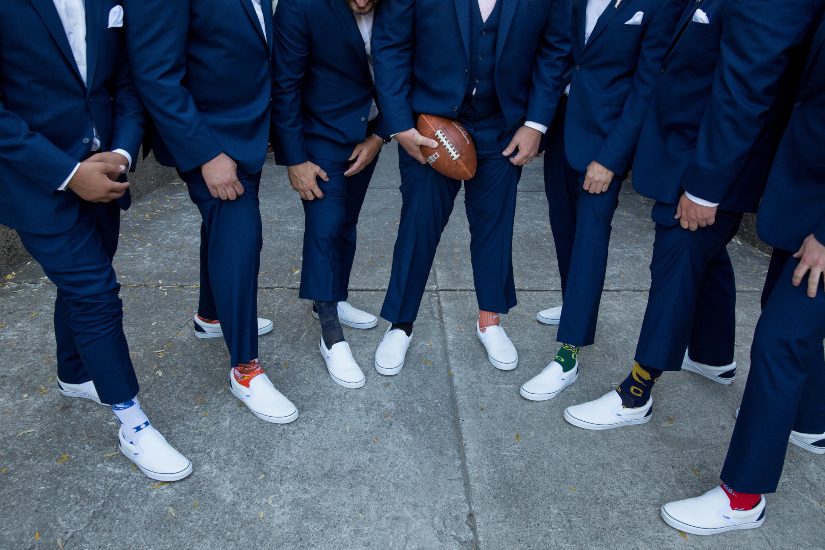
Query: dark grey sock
point(406, 327)
point(331, 330)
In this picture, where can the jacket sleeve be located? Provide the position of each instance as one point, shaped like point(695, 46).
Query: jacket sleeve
point(819, 231)
point(550, 64)
point(755, 42)
point(392, 49)
point(129, 115)
point(616, 152)
point(31, 155)
point(292, 47)
point(156, 33)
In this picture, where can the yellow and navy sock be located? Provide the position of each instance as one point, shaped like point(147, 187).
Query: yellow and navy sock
point(567, 357)
point(635, 390)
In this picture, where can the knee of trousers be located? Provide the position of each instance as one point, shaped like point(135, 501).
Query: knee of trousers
point(97, 309)
point(599, 207)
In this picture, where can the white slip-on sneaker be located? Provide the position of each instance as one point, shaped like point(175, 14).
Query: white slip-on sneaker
point(813, 443)
point(500, 350)
point(608, 412)
point(341, 365)
point(721, 375)
point(154, 456)
point(711, 514)
point(549, 382)
point(213, 330)
point(86, 390)
point(353, 317)
point(392, 351)
point(264, 400)
point(549, 316)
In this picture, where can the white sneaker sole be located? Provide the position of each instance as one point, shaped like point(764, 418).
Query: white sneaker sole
point(266, 329)
point(343, 383)
point(502, 366)
point(265, 417)
point(547, 320)
point(807, 446)
point(712, 376)
point(350, 324)
point(546, 396)
point(694, 530)
point(389, 371)
point(158, 476)
point(79, 395)
point(598, 427)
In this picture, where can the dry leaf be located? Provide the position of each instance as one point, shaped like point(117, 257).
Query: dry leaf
point(171, 511)
point(669, 421)
point(4, 470)
point(36, 536)
point(376, 439)
point(695, 470)
point(61, 544)
point(518, 438)
point(159, 484)
point(683, 535)
point(427, 362)
point(196, 504)
point(261, 515)
point(24, 432)
point(43, 390)
point(64, 458)
point(110, 455)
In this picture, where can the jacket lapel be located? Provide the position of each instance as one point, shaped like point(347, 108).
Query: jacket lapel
point(817, 45)
point(508, 10)
point(691, 8)
point(606, 17)
point(266, 6)
point(48, 13)
point(94, 28)
point(580, 20)
point(253, 18)
point(350, 27)
point(462, 10)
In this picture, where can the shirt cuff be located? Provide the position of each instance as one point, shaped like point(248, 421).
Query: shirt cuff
point(701, 202)
point(65, 183)
point(536, 126)
point(128, 158)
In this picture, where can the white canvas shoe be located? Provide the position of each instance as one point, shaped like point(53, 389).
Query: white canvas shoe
point(711, 514)
point(392, 352)
point(86, 390)
point(500, 350)
point(154, 456)
point(264, 400)
point(550, 316)
point(813, 443)
point(341, 365)
point(549, 382)
point(213, 330)
point(608, 412)
point(353, 317)
point(721, 375)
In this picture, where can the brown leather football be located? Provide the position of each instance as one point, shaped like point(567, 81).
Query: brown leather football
point(455, 156)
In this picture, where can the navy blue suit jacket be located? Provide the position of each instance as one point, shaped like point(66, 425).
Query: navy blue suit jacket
point(794, 203)
point(47, 114)
point(612, 78)
point(421, 47)
point(716, 108)
point(203, 69)
point(322, 88)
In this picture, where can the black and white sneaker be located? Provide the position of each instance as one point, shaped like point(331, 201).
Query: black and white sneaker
point(721, 375)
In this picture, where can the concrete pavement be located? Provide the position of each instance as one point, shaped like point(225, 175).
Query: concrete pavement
point(445, 455)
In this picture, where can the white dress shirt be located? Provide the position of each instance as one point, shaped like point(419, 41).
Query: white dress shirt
point(73, 16)
point(365, 27)
point(595, 9)
point(260, 13)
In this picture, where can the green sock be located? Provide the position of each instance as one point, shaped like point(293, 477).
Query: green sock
point(567, 357)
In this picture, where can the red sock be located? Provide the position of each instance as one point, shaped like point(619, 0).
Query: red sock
point(740, 501)
point(245, 372)
point(207, 321)
point(487, 319)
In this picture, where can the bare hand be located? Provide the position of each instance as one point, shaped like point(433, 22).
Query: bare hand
point(811, 258)
point(94, 181)
point(221, 177)
point(363, 154)
point(597, 179)
point(526, 141)
point(304, 179)
point(111, 158)
point(692, 216)
point(412, 141)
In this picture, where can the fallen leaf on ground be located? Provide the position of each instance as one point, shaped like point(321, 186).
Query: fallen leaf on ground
point(64, 458)
point(172, 512)
point(683, 535)
point(36, 536)
point(159, 484)
point(518, 438)
point(43, 390)
point(110, 455)
point(4, 470)
point(695, 470)
point(24, 432)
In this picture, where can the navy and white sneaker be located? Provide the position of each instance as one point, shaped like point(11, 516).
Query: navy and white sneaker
point(711, 514)
point(86, 390)
point(204, 329)
point(721, 375)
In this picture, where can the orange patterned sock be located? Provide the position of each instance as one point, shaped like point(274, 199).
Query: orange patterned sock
point(207, 321)
point(245, 372)
point(487, 319)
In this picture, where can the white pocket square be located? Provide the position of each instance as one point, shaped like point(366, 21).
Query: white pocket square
point(116, 17)
point(701, 17)
point(636, 19)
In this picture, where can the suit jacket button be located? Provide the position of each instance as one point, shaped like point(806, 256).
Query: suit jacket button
point(578, 67)
point(798, 104)
point(86, 141)
point(455, 109)
point(363, 119)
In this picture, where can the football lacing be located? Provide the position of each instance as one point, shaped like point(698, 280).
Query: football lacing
point(447, 145)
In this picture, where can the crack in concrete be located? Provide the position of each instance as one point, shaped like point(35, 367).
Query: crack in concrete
point(67, 536)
